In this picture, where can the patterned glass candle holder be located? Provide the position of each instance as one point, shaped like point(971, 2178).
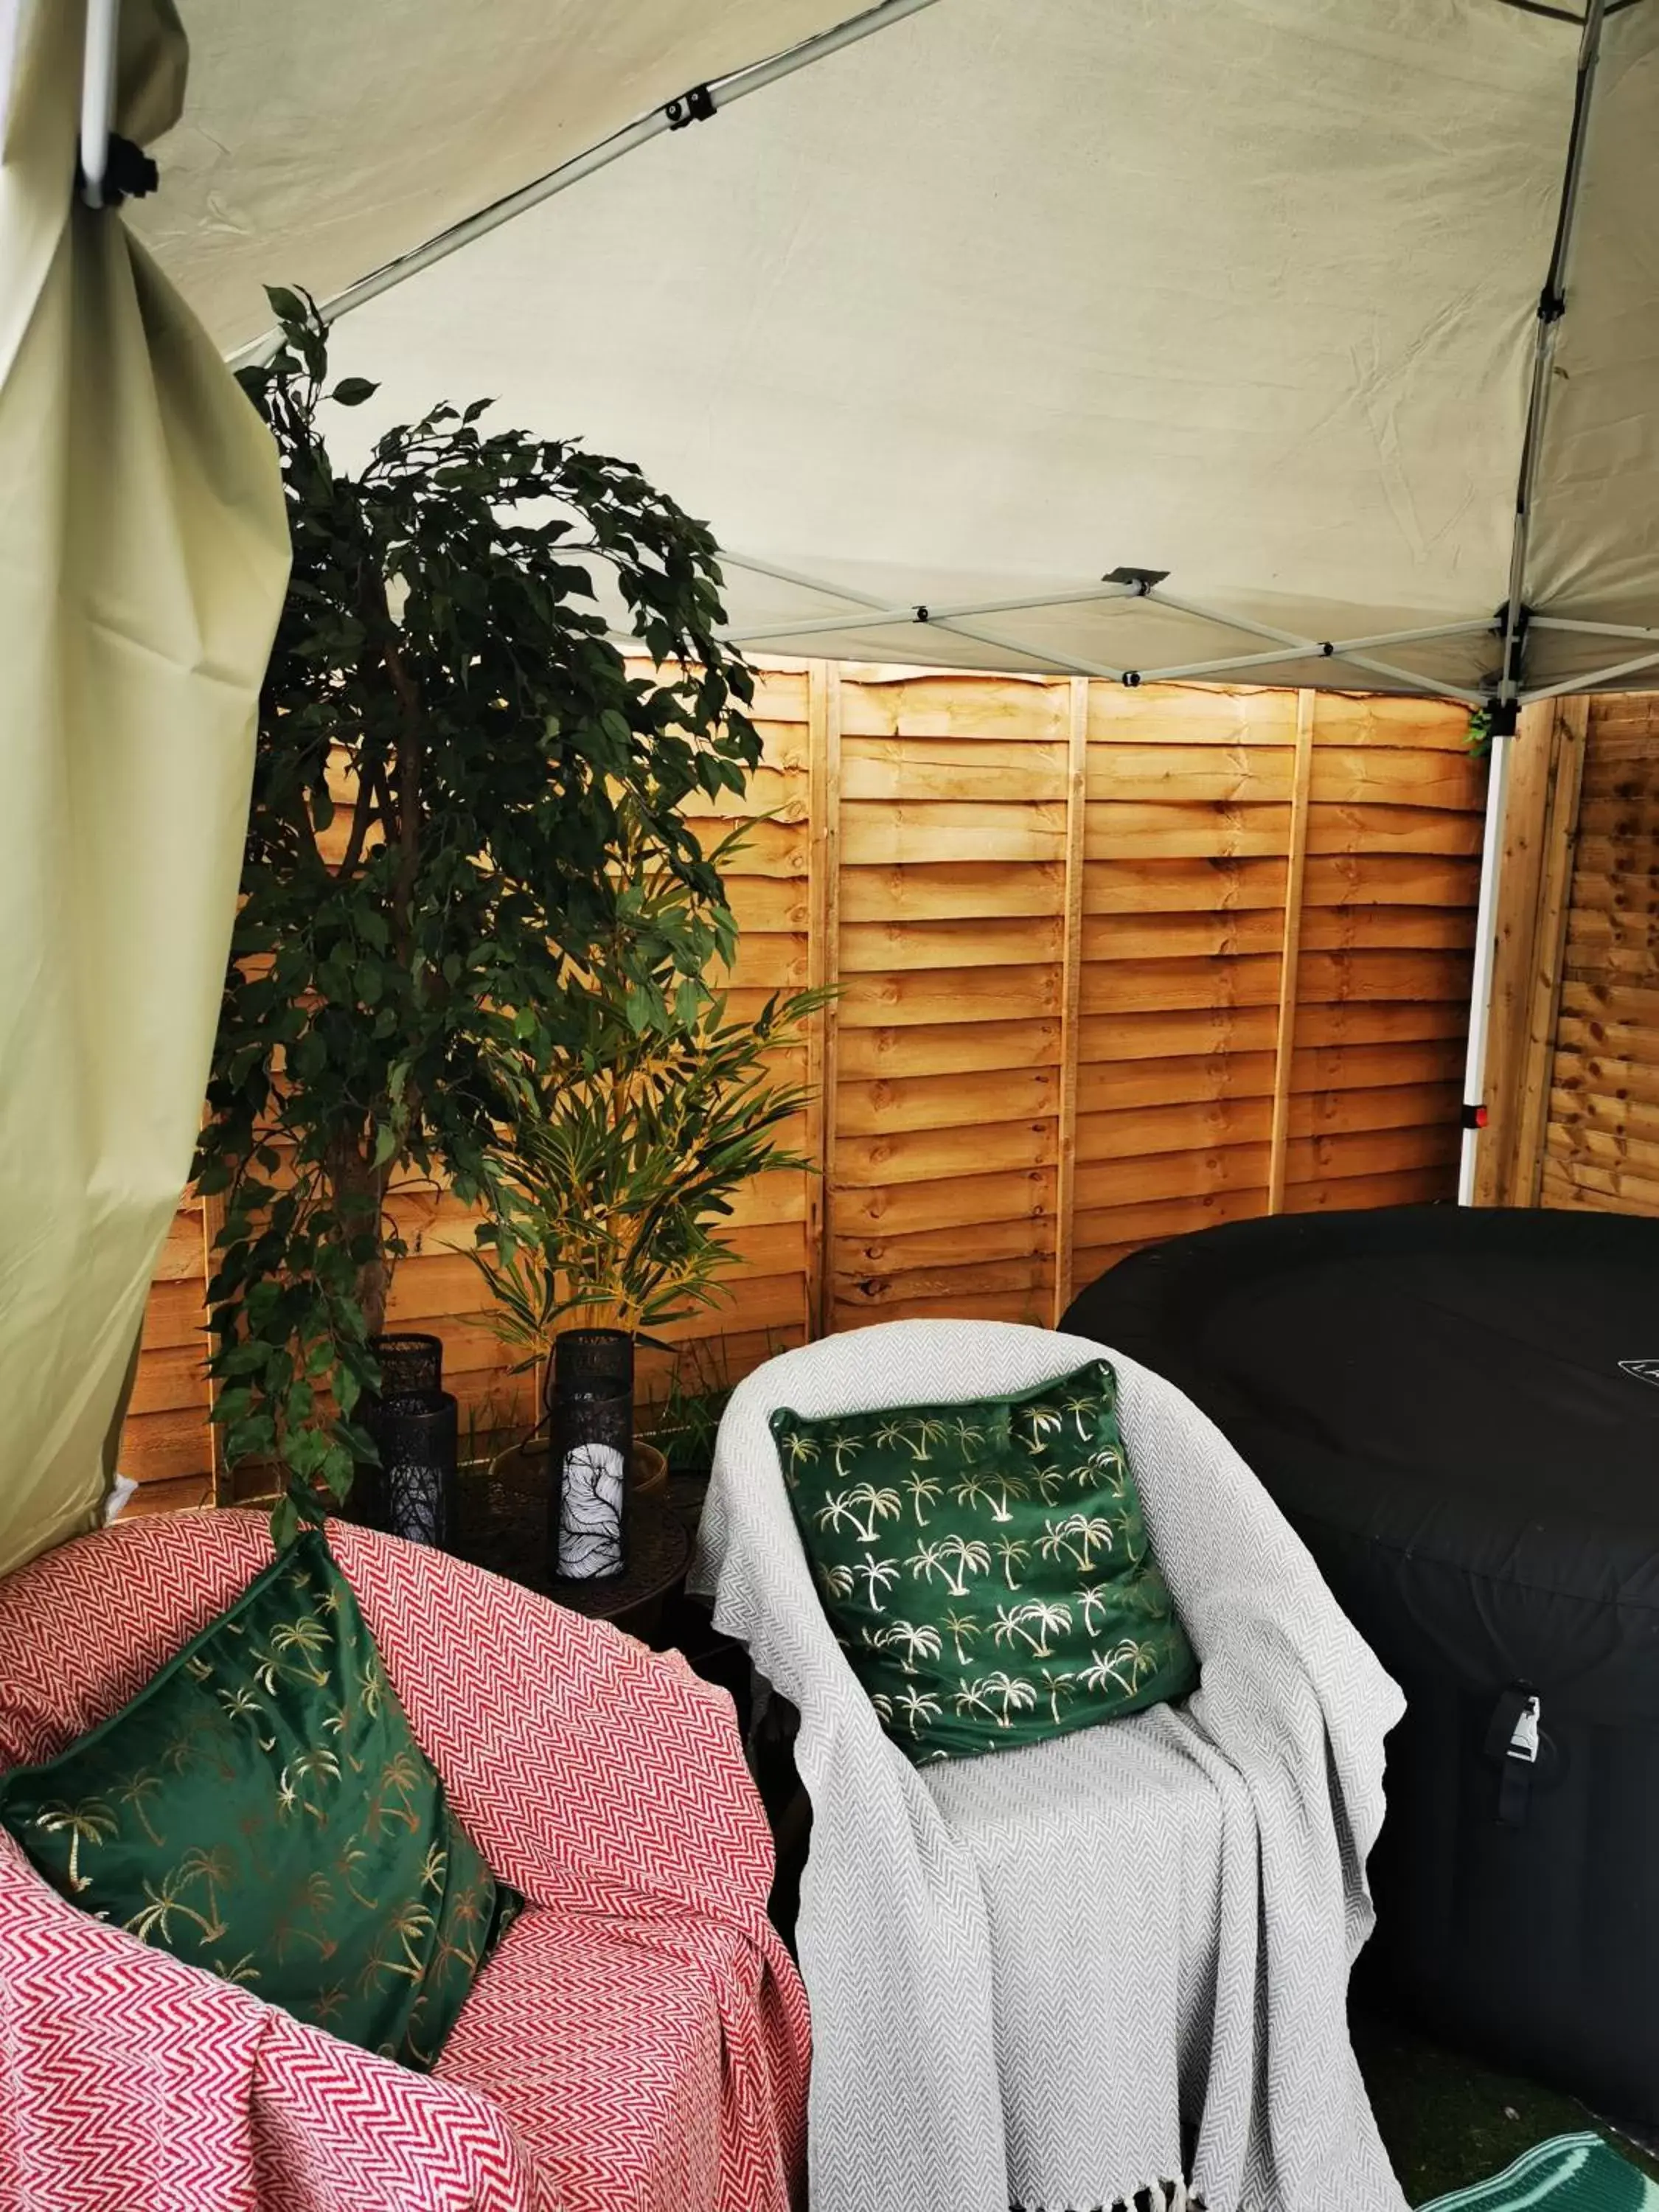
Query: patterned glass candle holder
point(411, 1365)
point(417, 1473)
point(412, 1419)
point(592, 1421)
point(589, 1363)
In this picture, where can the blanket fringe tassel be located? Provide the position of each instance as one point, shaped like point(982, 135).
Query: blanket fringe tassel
point(1156, 2196)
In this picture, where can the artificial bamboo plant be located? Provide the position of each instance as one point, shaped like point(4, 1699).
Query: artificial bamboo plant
point(612, 1190)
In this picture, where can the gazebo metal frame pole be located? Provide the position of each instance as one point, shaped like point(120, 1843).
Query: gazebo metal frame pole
point(97, 96)
point(697, 104)
point(701, 102)
point(1552, 306)
point(869, 612)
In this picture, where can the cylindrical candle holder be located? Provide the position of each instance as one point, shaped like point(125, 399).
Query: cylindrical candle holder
point(411, 1365)
point(589, 1363)
point(412, 1419)
point(592, 1407)
point(417, 1473)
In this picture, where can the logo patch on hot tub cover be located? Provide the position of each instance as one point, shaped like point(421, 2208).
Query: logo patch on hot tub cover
point(1644, 1371)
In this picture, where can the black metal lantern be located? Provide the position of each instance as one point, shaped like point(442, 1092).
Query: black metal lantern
point(591, 1403)
point(413, 1421)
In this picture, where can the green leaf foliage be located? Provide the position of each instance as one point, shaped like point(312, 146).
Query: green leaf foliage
point(457, 782)
point(613, 1182)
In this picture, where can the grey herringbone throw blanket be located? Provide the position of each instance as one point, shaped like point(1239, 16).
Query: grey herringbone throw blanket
point(1026, 1969)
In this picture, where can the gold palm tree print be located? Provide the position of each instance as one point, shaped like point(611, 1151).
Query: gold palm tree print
point(921, 1490)
point(958, 1626)
point(1017, 1547)
point(135, 1793)
point(90, 1821)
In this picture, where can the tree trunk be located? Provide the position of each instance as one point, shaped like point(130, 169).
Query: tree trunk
point(359, 1191)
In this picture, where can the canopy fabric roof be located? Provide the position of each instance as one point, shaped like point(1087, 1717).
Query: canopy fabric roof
point(995, 301)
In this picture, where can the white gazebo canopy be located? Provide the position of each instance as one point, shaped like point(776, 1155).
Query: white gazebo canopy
point(1310, 340)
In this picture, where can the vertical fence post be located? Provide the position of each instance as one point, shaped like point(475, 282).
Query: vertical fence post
point(1570, 731)
point(1290, 958)
point(219, 1481)
point(823, 971)
point(1076, 758)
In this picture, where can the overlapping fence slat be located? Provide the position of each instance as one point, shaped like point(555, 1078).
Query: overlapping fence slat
point(1057, 915)
point(1600, 1108)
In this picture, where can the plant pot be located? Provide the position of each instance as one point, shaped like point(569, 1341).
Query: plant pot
point(520, 1460)
point(648, 1469)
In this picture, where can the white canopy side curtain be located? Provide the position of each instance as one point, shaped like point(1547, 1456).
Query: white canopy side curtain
point(144, 556)
point(1313, 341)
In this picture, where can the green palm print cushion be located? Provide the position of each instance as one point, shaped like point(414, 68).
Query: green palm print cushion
point(262, 1810)
point(985, 1566)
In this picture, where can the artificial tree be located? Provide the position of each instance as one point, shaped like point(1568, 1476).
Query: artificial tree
point(453, 759)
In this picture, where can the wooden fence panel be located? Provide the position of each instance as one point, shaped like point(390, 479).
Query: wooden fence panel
point(1387, 929)
point(1112, 965)
point(953, 823)
point(1600, 1139)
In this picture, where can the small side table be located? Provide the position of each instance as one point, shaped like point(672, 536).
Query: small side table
point(503, 1526)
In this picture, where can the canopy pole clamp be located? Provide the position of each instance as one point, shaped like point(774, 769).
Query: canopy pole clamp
point(128, 173)
point(1140, 581)
point(696, 105)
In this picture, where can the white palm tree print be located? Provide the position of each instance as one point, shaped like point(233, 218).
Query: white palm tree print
point(1013, 1551)
point(1043, 1422)
point(1098, 1600)
point(970, 1556)
point(1012, 1693)
point(1140, 1658)
point(879, 1575)
point(917, 1706)
point(1061, 1685)
point(953, 1559)
point(924, 1432)
point(797, 1450)
point(1110, 1471)
point(958, 1626)
point(1127, 1665)
point(973, 1490)
point(1006, 1486)
point(1010, 1623)
point(922, 1490)
point(913, 1640)
point(844, 1442)
point(837, 1581)
point(1089, 1530)
point(1083, 1408)
point(875, 1505)
point(837, 1509)
point(1048, 1618)
point(1074, 1538)
point(974, 1698)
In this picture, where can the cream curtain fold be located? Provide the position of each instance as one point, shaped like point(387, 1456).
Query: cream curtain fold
point(144, 555)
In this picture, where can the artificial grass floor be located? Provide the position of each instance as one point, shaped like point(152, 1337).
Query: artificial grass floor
point(1447, 2120)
